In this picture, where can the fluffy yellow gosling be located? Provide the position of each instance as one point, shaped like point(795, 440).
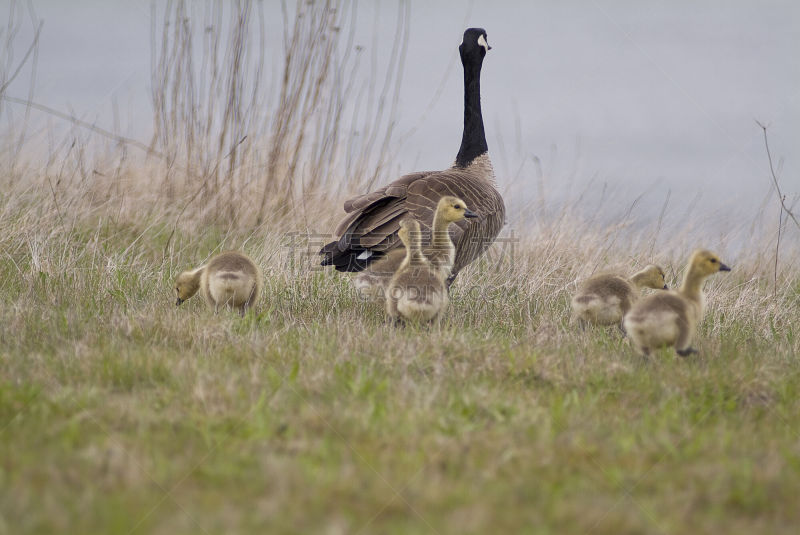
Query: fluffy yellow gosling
point(229, 279)
point(670, 319)
point(605, 299)
point(416, 292)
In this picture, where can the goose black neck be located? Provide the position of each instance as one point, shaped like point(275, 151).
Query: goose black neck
point(473, 140)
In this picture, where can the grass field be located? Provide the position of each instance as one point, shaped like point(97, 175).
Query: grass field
point(122, 414)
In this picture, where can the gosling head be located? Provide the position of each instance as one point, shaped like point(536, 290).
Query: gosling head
point(652, 276)
point(186, 285)
point(706, 263)
point(454, 209)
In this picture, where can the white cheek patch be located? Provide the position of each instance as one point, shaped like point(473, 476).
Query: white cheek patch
point(482, 42)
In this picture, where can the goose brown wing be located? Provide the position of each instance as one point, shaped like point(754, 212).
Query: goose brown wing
point(395, 189)
point(371, 224)
point(370, 229)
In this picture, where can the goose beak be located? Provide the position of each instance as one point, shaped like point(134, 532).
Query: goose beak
point(470, 213)
point(723, 267)
point(178, 302)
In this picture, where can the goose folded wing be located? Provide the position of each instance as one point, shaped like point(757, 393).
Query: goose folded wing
point(371, 223)
point(377, 225)
point(395, 189)
point(371, 227)
point(375, 219)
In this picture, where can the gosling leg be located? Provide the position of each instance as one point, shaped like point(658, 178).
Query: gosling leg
point(683, 345)
point(622, 330)
point(643, 351)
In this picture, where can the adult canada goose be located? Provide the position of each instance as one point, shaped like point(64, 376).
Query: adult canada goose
point(229, 279)
point(669, 319)
point(369, 230)
point(604, 299)
point(441, 252)
point(417, 291)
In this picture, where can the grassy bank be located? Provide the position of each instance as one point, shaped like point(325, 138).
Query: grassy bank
point(120, 413)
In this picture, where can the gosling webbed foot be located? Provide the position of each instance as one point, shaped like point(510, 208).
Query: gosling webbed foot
point(686, 352)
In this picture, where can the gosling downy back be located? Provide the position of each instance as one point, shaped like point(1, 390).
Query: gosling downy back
point(605, 299)
point(416, 292)
point(231, 279)
point(670, 319)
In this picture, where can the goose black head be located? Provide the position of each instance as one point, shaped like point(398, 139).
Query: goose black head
point(474, 46)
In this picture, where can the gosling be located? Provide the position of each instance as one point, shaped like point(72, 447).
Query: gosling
point(417, 291)
point(605, 299)
point(441, 252)
point(670, 319)
point(229, 279)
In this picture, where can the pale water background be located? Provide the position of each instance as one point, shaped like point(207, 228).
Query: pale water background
point(610, 99)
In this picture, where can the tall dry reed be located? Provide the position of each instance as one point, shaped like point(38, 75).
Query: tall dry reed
point(254, 148)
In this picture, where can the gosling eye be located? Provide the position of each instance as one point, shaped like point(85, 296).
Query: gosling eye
point(713, 260)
